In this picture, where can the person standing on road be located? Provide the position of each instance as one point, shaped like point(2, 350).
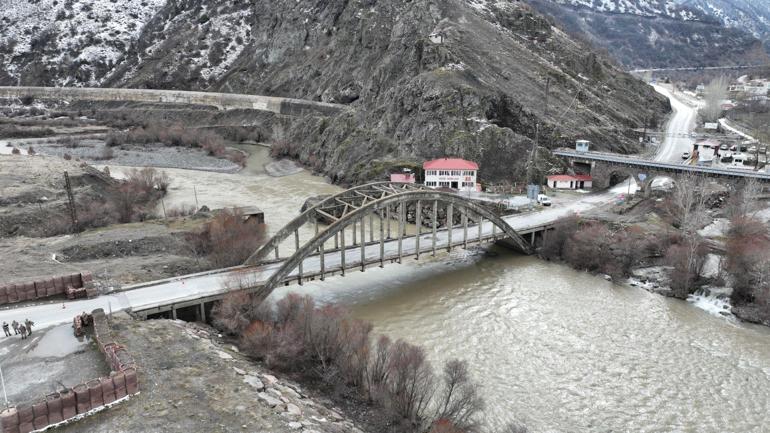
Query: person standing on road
point(29, 324)
point(15, 325)
point(23, 330)
point(5, 329)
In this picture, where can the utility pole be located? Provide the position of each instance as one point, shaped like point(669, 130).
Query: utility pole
point(533, 187)
point(71, 202)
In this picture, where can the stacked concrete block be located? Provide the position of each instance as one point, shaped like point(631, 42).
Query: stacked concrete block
point(9, 420)
point(82, 398)
point(40, 413)
point(72, 285)
point(69, 406)
point(108, 389)
point(53, 402)
point(26, 417)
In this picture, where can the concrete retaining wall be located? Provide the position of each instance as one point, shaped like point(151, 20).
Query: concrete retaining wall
point(223, 101)
point(81, 399)
point(72, 285)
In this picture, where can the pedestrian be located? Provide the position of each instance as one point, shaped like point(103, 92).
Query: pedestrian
point(15, 325)
point(23, 330)
point(29, 324)
point(5, 329)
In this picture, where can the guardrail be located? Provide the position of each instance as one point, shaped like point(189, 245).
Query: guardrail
point(665, 166)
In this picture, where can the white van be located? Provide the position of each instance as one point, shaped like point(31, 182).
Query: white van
point(543, 199)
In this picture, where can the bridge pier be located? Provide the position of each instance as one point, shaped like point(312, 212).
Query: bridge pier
point(363, 245)
point(382, 242)
point(435, 217)
point(401, 226)
point(322, 259)
point(450, 225)
point(299, 267)
point(343, 250)
point(418, 221)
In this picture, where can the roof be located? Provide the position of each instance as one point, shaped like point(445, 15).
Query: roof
point(450, 164)
point(567, 177)
point(402, 177)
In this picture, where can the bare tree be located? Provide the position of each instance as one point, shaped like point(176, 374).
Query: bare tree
point(688, 202)
point(459, 401)
point(410, 381)
point(744, 202)
point(714, 94)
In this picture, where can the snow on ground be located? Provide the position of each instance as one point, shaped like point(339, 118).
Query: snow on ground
point(78, 31)
point(716, 229)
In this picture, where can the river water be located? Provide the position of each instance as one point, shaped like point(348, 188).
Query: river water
point(557, 349)
point(565, 351)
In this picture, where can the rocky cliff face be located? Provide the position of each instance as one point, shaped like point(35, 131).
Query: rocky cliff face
point(423, 78)
point(658, 33)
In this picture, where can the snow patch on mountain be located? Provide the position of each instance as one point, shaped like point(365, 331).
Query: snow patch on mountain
point(78, 34)
point(649, 8)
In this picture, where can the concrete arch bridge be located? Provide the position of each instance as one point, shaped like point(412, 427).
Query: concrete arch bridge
point(374, 224)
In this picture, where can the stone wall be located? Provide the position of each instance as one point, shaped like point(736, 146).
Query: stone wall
point(223, 101)
point(91, 396)
point(72, 285)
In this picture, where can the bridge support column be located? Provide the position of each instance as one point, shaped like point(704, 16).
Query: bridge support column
point(532, 238)
point(450, 222)
point(418, 221)
point(354, 234)
point(202, 314)
point(342, 252)
point(387, 217)
point(382, 242)
point(363, 245)
point(276, 252)
point(401, 225)
point(322, 257)
point(481, 223)
point(316, 229)
point(465, 229)
point(299, 267)
point(336, 241)
point(435, 216)
point(173, 313)
point(494, 232)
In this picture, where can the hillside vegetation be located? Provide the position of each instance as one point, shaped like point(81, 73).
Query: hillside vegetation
point(479, 93)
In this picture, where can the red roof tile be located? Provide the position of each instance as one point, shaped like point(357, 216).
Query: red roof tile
point(450, 164)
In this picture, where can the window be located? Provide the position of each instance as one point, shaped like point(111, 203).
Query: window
point(444, 184)
point(469, 173)
point(457, 173)
point(443, 172)
point(430, 173)
point(468, 184)
point(430, 183)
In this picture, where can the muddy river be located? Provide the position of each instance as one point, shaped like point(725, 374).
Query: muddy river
point(560, 350)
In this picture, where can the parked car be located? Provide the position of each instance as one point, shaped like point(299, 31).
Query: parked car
point(734, 148)
point(723, 147)
point(686, 155)
point(752, 149)
point(543, 199)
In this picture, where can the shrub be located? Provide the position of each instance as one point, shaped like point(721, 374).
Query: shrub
point(30, 151)
point(15, 151)
point(227, 240)
point(687, 258)
point(748, 260)
point(67, 157)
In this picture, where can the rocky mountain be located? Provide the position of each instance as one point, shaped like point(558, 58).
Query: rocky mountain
point(658, 33)
point(750, 15)
point(422, 78)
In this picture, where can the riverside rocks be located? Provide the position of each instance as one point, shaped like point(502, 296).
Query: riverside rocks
point(191, 388)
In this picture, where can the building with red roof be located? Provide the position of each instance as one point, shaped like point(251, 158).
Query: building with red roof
point(454, 173)
point(567, 181)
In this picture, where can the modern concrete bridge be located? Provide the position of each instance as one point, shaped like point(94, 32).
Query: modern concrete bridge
point(222, 101)
point(606, 167)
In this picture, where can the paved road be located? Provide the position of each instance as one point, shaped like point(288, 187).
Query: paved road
point(196, 286)
point(682, 122)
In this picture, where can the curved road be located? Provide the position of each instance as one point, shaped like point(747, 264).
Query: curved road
point(681, 123)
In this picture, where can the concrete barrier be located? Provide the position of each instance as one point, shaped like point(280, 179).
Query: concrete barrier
point(94, 394)
point(222, 101)
point(72, 285)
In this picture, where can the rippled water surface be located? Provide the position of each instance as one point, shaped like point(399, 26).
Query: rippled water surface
point(565, 351)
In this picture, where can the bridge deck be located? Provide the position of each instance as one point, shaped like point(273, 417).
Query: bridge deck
point(663, 166)
point(192, 289)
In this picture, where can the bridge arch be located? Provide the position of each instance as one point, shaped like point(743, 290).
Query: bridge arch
point(370, 253)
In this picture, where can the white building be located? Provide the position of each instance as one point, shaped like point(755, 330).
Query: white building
point(566, 181)
point(582, 145)
point(452, 173)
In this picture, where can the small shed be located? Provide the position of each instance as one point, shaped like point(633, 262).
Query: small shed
point(582, 145)
point(566, 181)
point(252, 214)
